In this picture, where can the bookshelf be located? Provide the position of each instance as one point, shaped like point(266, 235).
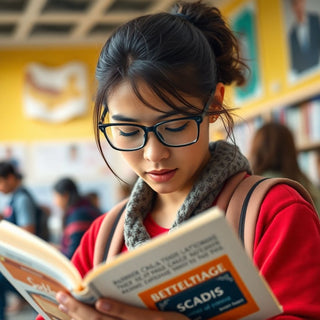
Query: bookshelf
point(299, 110)
point(302, 117)
point(303, 120)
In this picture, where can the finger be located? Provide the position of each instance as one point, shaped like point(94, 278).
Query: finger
point(77, 310)
point(118, 310)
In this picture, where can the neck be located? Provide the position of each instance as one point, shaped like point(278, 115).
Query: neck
point(166, 207)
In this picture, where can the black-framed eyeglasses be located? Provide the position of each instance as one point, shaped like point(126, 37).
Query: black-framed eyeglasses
point(175, 133)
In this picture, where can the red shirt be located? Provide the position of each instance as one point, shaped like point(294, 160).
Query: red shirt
point(286, 251)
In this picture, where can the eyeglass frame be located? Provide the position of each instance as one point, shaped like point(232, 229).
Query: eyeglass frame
point(198, 118)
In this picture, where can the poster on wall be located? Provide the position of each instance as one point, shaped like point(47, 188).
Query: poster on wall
point(302, 30)
point(243, 23)
point(55, 94)
point(79, 159)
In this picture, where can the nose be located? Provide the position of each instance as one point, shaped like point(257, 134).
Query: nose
point(154, 150)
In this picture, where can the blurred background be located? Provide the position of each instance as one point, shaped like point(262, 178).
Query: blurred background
point(48, 55)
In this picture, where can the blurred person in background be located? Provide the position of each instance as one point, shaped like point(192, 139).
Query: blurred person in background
point(22, 206)
point(22, 210)
point(273, 153)
point(94, 198)
point(78, 214)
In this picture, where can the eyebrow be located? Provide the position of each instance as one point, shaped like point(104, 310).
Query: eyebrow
point(120, 117)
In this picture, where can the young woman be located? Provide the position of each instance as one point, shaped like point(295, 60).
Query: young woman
point(161, 84)
point(78, 214)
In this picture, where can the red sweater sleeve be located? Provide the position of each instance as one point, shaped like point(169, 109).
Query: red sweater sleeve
point(286, 251)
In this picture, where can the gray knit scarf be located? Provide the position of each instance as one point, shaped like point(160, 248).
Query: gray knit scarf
point(226, 160)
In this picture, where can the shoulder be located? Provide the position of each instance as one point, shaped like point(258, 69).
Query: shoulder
point(283, 208)
point(282, 196)
point(22, 197)
point(20, 193)
point(286, 239)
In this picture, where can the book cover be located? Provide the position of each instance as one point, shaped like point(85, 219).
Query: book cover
point(199, 269)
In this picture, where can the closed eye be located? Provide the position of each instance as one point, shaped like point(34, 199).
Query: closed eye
point(177, 129)
point(129, 133)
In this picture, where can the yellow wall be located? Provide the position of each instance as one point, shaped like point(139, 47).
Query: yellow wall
point(273, 60)
point(14, 125)
point(272, 50)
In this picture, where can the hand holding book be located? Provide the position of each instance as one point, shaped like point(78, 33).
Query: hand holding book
point(111, 308)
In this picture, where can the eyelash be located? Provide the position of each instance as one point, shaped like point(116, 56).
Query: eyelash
point(178, 128)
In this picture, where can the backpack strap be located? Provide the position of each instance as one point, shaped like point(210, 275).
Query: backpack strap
point(232, 197)
point(242, 221)
point(110, 235)
point(238, 198)
point(254, 204)
point(228, 190)
point(243, 208)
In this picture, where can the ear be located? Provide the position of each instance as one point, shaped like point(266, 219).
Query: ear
point(217, 101)
point(219, 93)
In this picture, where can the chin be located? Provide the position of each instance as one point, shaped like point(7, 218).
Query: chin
point(162, 188)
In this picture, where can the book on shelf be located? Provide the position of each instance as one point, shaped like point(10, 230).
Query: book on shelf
point(199, 269)
point(314, 120)
point(303, 120)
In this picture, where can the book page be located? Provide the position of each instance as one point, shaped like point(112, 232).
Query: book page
point(36, 270)
point(200, 269)
point(37, 282)
point(11, 234)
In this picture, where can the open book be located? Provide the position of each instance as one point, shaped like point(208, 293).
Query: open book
point(199, 269)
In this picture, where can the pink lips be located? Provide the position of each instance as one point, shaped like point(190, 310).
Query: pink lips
point(161, 175)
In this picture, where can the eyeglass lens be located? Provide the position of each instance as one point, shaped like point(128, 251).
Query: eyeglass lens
point(173, 133)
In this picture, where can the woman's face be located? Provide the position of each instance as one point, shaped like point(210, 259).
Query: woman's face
point(164, 169)
point(8, 184)
point(60, 200)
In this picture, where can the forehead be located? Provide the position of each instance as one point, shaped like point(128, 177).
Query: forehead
point(123, 99)
point(2, 178)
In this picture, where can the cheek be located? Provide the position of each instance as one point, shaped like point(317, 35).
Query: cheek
point(4, 187)
point(133, 159)
point(58, 200)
